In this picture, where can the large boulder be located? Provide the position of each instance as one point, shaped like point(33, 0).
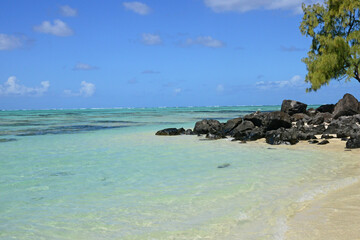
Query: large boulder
point(291, 107)
point(345, 126)
point(282, 136)
point(207, 126)
point(170, 132)
point(276, 120)
point(250, 135)
point(327, 108)
point(299, 116)
point(353, 142)
point(242, 127)
point(320, 118)
point(231, 124)
point(347, 106)
point(257, 118)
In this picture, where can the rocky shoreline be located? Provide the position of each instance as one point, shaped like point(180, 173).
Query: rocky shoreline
point(293, 123)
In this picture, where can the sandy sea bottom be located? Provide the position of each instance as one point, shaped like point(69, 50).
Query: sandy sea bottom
point(127, 183)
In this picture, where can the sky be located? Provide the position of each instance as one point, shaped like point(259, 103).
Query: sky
point(155, 53)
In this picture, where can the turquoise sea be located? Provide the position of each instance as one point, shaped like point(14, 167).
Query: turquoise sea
point(103, 174)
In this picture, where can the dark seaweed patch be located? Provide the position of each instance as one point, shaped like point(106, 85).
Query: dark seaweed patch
point(214, 118)
point(113, 121)
point(2, 140)
point(57, 174)
point(20, 124)
point(65, 130)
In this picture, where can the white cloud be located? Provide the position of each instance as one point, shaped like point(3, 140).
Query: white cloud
point(58, 28)
point(151, 39)
point(68, 11)
point(220, 88)
point(11, 87)
point(84, 66)
point(205, 41)
point(9, 42)
point(248, 5)
point(86, 90)
point(137, 7)
point(295, 81)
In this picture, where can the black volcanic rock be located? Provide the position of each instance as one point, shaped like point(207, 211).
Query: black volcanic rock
point(231, 124)
point(257, 118)
point(250, 134)
point(189, 132)
point(326, 136)
point(207, 126)
point(353, 142)
point(242, 127)
point(276, 120)
point(299, 116)
point(347, 106)
point(323, 142)
point(320, 118)
point(170, 132)
point(211, 136)
point(344, 126)
point(327, 108)
point(313, 141)
point(291, 107)
point(281, 136)
point(311, 112)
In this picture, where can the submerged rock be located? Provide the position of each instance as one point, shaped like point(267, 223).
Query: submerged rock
point(225, 165)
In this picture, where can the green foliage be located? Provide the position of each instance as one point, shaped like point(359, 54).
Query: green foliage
point(335, 50)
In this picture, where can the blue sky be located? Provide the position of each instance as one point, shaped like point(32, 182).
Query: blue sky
point(83, 54)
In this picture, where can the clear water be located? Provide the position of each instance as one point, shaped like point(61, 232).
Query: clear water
point(103, 174)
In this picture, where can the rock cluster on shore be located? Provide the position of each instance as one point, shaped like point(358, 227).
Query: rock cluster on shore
point(289, 126)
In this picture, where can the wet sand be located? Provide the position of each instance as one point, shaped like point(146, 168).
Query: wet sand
point(333, 216)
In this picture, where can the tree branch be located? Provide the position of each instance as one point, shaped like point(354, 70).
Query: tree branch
point(356, 73)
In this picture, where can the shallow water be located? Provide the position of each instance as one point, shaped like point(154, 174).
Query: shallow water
point(103, 174)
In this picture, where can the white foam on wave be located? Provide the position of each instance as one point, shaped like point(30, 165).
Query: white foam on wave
point(328, 188)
